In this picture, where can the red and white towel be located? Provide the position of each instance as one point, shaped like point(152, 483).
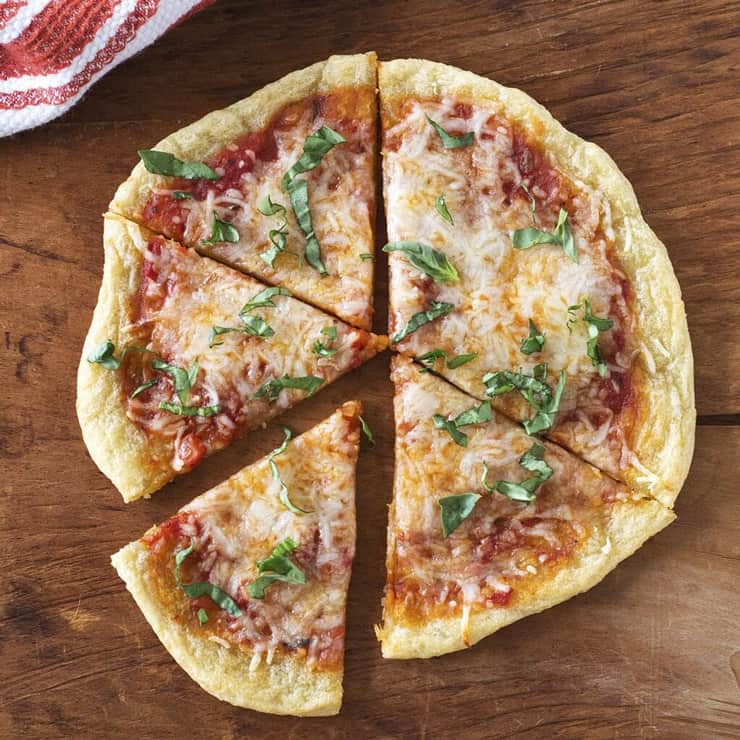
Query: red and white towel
point(52, 51)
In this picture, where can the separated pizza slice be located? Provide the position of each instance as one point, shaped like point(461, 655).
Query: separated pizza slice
point(184, 353)
point(280, 185)
point(522, 270)
point(246, 586)
point(488, 524)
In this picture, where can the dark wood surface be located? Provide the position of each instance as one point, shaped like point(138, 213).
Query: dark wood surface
point(653, 651)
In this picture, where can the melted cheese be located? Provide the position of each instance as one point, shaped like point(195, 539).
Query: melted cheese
point(501, 288)
point(505, 548)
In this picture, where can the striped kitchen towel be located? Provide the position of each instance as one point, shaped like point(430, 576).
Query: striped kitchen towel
point(51, 51)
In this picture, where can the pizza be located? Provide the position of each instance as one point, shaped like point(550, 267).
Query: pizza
point(184, 354)
point(246, 586)
point(280, 185)
point(489, 524)
point(522, 270)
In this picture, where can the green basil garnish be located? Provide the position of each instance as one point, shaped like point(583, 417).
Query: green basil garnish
point(441, 206)
point(181, 410)
point(480, 414)
point(317, 144)
point(268, 208)
point(455, 510)
point(182, 195)
point(534, 342)
point(367, 431)
point(271, 389)
point(221, 231)
point(449, 141)
point(562, 236)
point(298, 193)
point(144, 387)
point(183, 380)
point(252, 325)
point(532, 460)
point(430, 261)
point(164, 163)
point(596, 325)
point(284, 496)
point(196, 590)
point(263, 299)
point(436, 310)
point(105, 355)
point(322, 349)
point(366, 256)
point(202, 616)
point(452, 363)
point(276, 567)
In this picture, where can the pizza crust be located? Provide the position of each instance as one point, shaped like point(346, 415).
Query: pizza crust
point(121, 450)
point(629, 527)
point(287, 686)
point(662, 437)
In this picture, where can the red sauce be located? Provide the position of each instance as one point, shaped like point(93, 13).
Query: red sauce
point(191, 450)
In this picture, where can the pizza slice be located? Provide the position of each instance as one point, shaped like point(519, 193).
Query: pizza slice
point(184, 353)
point(246, 586)
point(522, 270)
point(488, 524)
point(280, 185)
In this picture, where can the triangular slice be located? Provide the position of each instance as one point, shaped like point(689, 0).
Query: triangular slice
point(264, 635)
point(510, 200)
point(508, 558)
point(249, 147)
point(157, 390)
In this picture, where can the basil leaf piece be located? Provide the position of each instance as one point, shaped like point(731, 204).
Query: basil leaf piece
point(182, 195)
point(596, 325)
point(181, 410)
point(562, 236)
point(284, 495)
point(366, 256)
point(221, 231)
point(144, 387)
point(455, 510)
point(534, 342)
point(367, 431)
point(254, 326)
point(459, 360)
point(452, 363)
point(441, 205)
point(196, 590)
point(298, 193)
point(278, 239)
point(524, 491)
point(263, 299)
point(436, 310)
point(183, 380)
point(480, 414)
point(430, 261)
point(268, 208)
point(271, 389)
point(547, 411)
point(322, 349)
point(449, 141)
point(449, 426)
point(534, 461)
point(276, 567)
point(202, 616)
point(589, 318)
point(330, 331)
point(164, 163)
point(484, 480)
point(105, 355)
point(317, 144)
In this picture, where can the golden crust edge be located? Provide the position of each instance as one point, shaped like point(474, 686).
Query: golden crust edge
point(287, 686)
point(629, 527)
point(120, 450)
point(664, 437)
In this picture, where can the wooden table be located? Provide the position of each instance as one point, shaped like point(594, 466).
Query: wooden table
point(653, 651)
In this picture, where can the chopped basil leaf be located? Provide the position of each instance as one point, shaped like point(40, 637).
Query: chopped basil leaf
point(449, 426)
point(263, 299)
point(524, 491)
point(182, 195)
point(221, 231)
point(317, 144)
point(204, 411)
point(298, 193)
point(476, 415)
point(284, 496)
point(144, 387)
point(441, 206)
point(278, 239)
point(589, 318)
point(366, 256)
point(534, 342)
point(436, 310)
point(430, 261)
point(253, 326)
point(367, 431)
point(105, 355)
point(330, 331)
point(276, 567)
point(547, 411)
point(196, 590)
point(268, 208)
point(484, 480)
point(271, 389)
point(452, 363)
point(455, 510)
point(526, 238)
point(595, 326)
point(164, 163)
point(183, 380)
point(449, 141)
point(322, 349)
point(202, 616)
point(534, 461)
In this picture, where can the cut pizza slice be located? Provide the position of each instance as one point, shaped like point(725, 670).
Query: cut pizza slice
point(488, 524)
point(247, 594)
point(522, 270)
point(280, 185)
point(184, 353)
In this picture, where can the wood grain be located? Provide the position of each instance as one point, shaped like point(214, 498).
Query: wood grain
point(653, 651)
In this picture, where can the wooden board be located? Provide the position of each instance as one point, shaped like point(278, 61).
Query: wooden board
point(653, 651)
